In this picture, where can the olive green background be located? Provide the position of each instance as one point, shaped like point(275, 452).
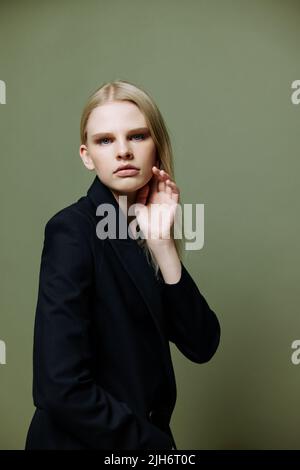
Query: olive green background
point(221, 74)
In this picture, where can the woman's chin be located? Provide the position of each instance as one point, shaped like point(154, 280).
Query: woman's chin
point(129, 185)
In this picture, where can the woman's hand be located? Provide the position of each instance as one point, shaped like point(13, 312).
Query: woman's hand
point(157, 201)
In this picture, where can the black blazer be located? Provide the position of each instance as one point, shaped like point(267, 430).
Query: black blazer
point(102, 369)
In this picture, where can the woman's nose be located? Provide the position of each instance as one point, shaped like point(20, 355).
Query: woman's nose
point(124, 149)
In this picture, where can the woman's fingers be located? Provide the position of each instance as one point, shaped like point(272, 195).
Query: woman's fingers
point(161, 173)
point(162, 177)
point(168, 188)
point(165, 183)
point(174, 190)
point(174, 187)
point(160, 180)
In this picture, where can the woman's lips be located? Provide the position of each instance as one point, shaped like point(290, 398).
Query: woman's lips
point(128, 172)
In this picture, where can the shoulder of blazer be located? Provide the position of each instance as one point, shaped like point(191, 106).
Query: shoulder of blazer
point(79, 213)
point(76, 219)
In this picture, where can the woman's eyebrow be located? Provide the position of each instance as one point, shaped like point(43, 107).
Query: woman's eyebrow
point(103, 134)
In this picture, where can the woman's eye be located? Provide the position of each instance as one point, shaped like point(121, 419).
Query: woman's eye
point(104, 138)
point(139, 135)
point(135, 136)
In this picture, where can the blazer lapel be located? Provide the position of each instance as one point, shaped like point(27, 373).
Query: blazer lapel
point(135, 263)
point(132, 258)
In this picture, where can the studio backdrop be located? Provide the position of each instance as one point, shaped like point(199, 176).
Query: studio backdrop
point(226, 77)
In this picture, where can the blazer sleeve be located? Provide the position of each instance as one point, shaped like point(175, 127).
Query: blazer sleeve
point(63, 383)
point(191, 324)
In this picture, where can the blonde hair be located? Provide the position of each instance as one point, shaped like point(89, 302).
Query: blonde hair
point(122, 90)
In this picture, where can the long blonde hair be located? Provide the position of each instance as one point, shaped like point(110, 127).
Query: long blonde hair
point(123, 90)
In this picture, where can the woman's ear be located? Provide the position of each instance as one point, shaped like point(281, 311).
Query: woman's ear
point(85, 157)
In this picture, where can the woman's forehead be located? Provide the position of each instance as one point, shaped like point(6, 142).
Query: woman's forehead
point(115, 117)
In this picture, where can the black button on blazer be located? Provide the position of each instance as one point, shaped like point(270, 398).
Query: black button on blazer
point(102, 369)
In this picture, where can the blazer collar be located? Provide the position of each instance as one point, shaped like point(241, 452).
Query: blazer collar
point(132, 258)
point(99, 193)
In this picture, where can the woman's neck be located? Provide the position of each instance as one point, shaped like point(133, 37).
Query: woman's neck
point(125, 204)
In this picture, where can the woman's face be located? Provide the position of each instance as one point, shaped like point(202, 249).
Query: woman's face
point(117, 134)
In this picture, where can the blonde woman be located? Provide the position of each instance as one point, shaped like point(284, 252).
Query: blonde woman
point(108, 304)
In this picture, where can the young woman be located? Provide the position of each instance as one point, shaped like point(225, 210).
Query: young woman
point(109, 305)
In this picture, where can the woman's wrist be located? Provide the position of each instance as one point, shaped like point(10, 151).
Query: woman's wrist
point(167, 258)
